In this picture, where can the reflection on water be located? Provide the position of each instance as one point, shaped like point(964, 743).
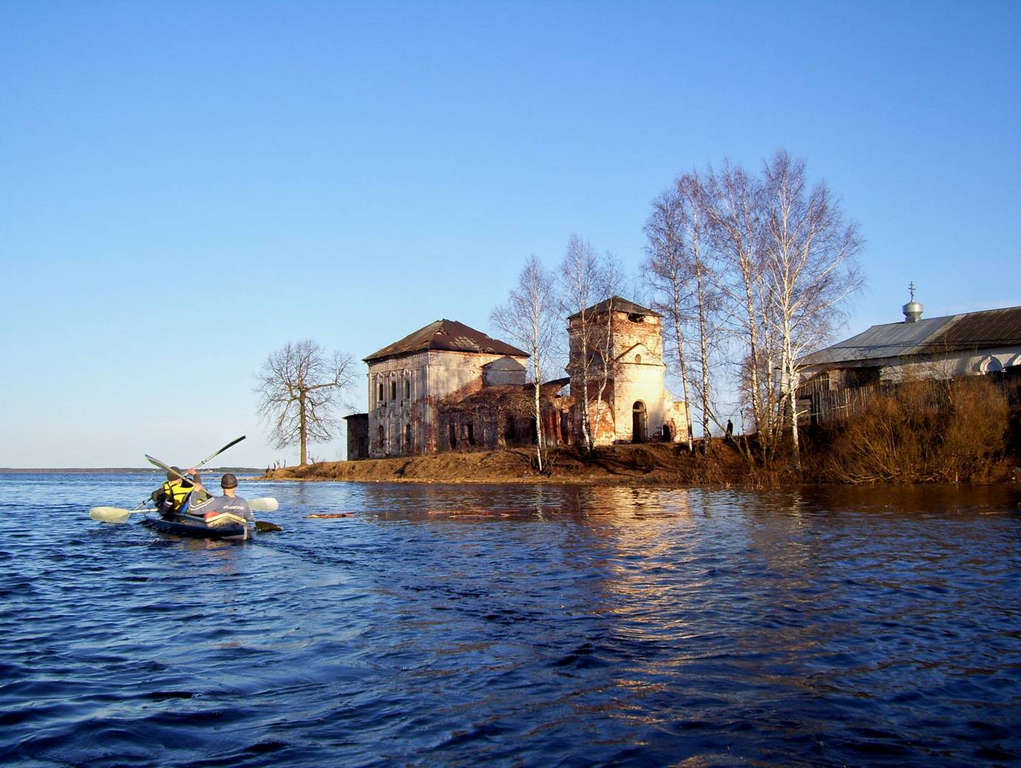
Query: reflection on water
point(513, 625)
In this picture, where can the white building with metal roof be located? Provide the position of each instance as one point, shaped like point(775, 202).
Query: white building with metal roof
point(966, 344)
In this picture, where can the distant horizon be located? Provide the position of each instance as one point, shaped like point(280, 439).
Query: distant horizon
point(153, 470)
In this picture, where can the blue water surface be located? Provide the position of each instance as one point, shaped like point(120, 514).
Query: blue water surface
point(513, 626)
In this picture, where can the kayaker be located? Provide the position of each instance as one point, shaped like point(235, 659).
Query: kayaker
point(229, 504)
point(171, 496)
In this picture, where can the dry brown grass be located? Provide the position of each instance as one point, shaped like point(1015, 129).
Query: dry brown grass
point(660, 464)
point(920, 432)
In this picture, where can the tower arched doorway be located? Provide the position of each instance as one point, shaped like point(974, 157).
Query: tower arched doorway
point(639, 423)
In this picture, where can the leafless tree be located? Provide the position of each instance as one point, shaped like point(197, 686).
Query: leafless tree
point(299, 388)
point(778, 257)
point(610, 279)
point(680, 274)
point(809, 265)
point(731, 202)
point(531, 318)
point(578, 278)
point(585, 278)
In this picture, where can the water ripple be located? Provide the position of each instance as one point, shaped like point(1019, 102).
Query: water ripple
point(513, 626)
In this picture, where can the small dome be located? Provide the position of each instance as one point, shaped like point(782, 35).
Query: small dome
point(912, 310)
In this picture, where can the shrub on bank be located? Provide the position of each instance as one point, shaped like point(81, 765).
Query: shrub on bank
point(919, 432)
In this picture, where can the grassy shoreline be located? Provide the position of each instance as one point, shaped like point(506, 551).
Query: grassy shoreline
point(649, 464)
point(656, 464)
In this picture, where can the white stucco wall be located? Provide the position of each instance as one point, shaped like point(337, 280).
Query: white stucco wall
point(950, 365)
point(503, 371)
point(639, 382)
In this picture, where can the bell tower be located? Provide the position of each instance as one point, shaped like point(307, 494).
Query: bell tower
point(628, 401)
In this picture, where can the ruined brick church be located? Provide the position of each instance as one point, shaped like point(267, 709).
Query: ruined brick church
point(449, 387)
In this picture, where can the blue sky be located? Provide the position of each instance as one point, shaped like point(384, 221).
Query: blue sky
point(190, 185)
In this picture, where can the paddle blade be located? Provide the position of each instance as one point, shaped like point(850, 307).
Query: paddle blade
point(161, 465)
point(264, 504)
point(212, 456)
point(110, 514)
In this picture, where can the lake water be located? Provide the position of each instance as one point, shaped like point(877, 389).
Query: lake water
point(513, 626)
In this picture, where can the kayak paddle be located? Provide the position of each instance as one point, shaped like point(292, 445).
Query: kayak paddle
point(204, 461)
point(118, 515)
point(264, 504)
point(113, 514)
point(213, 456)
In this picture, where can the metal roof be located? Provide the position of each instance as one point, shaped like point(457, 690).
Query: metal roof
point(447, 335)
point(619, 305)
point(968, 331)
point(980, 330)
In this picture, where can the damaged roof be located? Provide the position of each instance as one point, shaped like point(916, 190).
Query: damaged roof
point(448, 335)
point(986, 329)
point(619, 305)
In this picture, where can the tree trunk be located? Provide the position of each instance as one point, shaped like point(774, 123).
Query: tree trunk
point(704, 355)
point(679, 338)
point(789, 375)
point(586, 430)
point(606, 353)
point(302, 429)
point(538, 424)
point(753, 349)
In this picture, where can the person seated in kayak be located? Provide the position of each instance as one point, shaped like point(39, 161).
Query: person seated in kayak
point(222, 510)
point(172, 496)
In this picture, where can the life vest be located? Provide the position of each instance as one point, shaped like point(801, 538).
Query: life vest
point(175, 493)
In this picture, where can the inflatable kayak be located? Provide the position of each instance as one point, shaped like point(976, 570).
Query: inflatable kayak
point(221, 526)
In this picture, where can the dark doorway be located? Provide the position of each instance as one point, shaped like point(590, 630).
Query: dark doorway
point(639, 426)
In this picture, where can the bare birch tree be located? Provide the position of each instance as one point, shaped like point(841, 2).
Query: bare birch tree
point(778, 256)
point(610, 278)
point(732, 205)
point(299, 388)
point(530, 317)
point(810, 266)
point(580, 285)
point(706, 291)
point(679, 273)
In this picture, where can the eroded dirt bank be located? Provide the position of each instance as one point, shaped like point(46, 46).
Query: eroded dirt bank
point(648, 464)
